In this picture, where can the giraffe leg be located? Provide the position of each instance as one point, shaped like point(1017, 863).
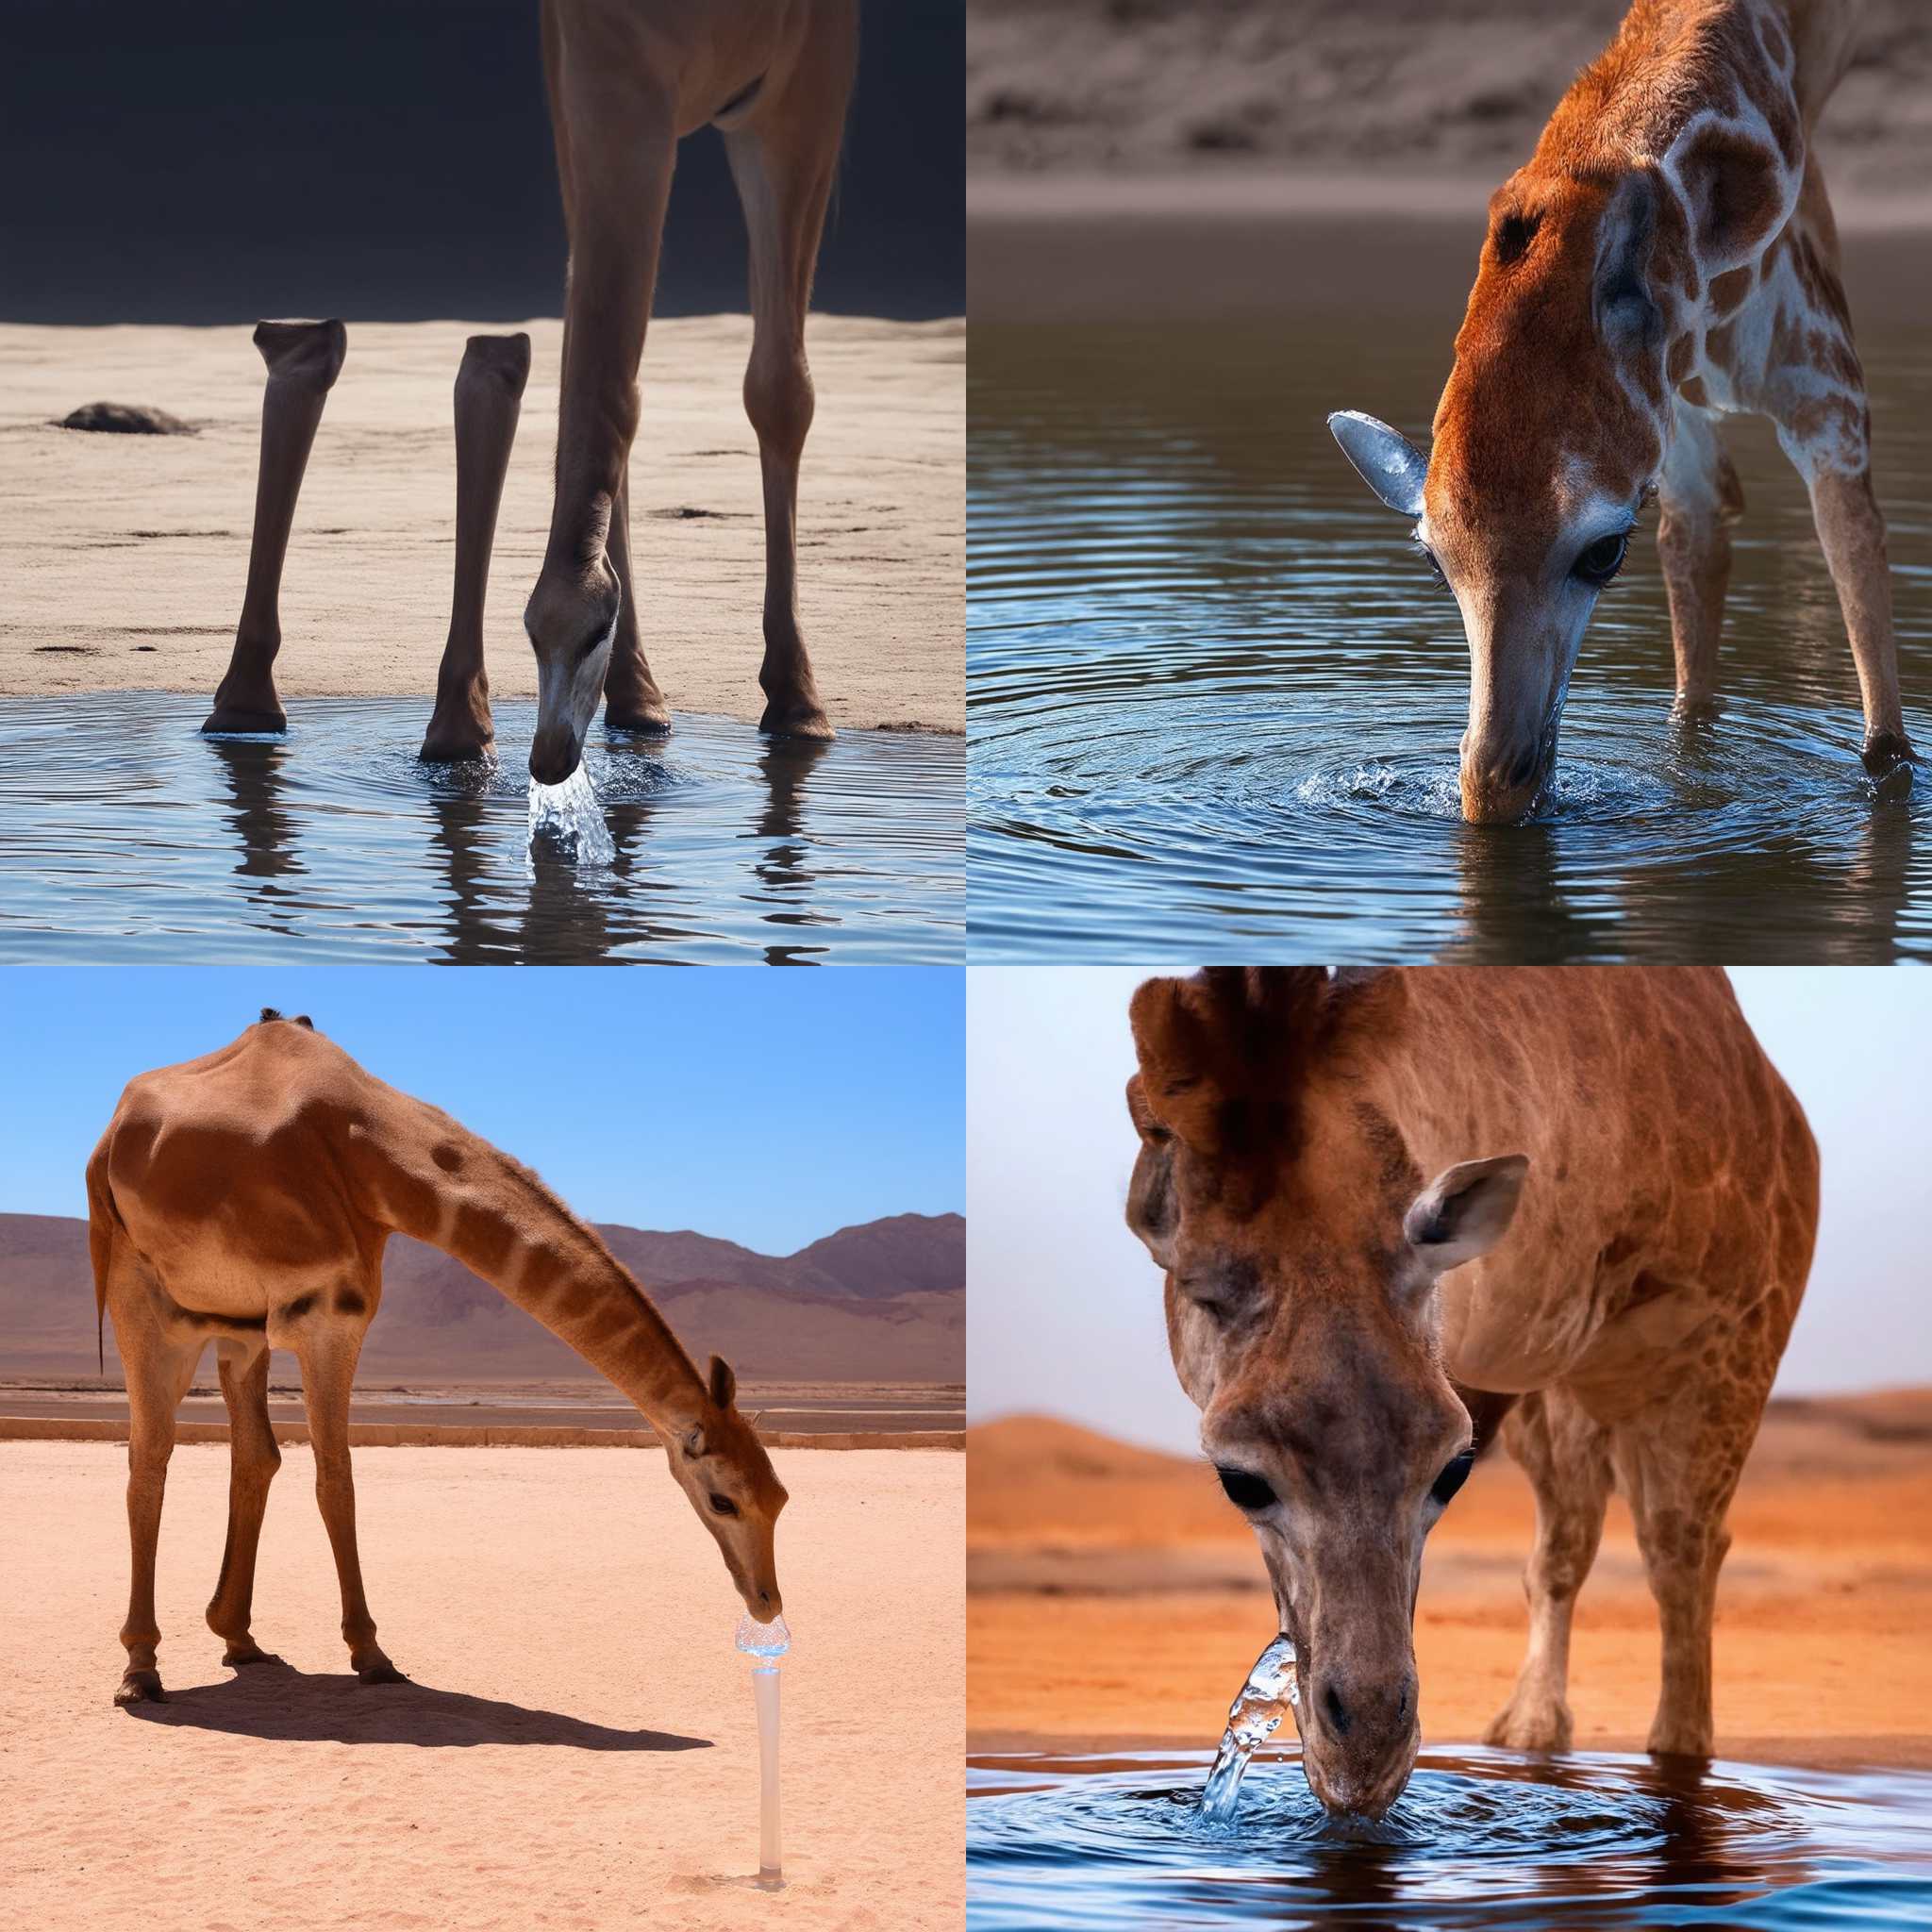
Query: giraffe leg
point(328, 1355)
point(1566, 1457)
point(158, 1371)
point(1852, 532)
point(1701, 497)
point(632, 701)
point(1678, 1464)
point(253, 1459)
point(783, 161)
point(303, 360)
point(489, 400)
point(618, 158)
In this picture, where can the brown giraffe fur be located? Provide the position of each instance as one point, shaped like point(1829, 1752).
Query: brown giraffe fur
point(245, 1198)
point(1609, 1255)
point(1666, 257)
point(628, 79)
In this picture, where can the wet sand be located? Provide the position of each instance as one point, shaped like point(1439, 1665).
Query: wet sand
point(1116, 1600)
point(576, 1748)
point(125, 555)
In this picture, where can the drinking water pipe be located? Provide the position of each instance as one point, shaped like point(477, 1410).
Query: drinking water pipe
point(765, 1643)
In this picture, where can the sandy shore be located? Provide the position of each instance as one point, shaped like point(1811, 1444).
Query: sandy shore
point(1409, 103)
point(1116, 1600)
point(123, 557)
point(576, 1749)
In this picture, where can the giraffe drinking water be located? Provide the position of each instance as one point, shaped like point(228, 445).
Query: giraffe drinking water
point(1666, 258)
point(1399, 1210)
point(245, 1198)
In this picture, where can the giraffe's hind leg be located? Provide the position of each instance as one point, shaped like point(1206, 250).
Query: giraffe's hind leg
point(1811, 385)
point(158, 1369)
point(1700, 497)
point(253, 1461)
point(1566, 1457)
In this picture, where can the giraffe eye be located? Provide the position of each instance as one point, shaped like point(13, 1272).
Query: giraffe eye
point(722, 1506)
point(1245, 1490)
point(1453, 1477)
point(1604, 559)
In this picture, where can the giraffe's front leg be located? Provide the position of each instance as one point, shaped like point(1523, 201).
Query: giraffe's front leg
point(1566, 1457)
point(1700, 497)
point(303, 360)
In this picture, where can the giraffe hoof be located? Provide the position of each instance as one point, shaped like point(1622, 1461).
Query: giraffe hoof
point(225, 719)
point(236, 1658)
point(1544, 1728)
point(799, 718)
point(141, 1687)
point(380, 1671)
point(648, 722)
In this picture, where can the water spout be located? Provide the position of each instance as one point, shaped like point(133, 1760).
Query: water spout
point(766, 1642)
point(569, 819)
point(1268, 1696)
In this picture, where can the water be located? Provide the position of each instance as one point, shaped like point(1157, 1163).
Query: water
point(125, 836)
point(1215, 696)
point(1480, 1839)
point(569, 820)
point(1272, 1692)
point(763, 1640)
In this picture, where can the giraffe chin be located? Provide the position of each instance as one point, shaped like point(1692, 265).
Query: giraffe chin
point(1351, 1790)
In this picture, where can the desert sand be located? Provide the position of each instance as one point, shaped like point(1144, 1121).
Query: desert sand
point(1116, 1599)
point(125, 555)
point(1343, 105)
point(576, 1747)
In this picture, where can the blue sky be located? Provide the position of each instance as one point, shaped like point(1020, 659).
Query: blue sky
point(765, 1107)
point(1063, 1307)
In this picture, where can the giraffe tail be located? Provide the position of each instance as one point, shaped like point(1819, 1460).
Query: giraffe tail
point(103, 1219)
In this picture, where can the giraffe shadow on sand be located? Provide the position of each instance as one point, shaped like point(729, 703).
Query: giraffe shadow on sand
point(276, 1701)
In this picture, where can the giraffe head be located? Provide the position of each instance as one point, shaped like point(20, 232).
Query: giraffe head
point(1302, 1247)
point(571, 621)
point(1548, 440)
point(723, 1468)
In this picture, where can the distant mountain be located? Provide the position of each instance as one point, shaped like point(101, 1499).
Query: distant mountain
point(882, 1301)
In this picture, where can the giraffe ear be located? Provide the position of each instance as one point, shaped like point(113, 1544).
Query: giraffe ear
point(723, 1383)
point(1626, 317)
point(1465, 1210)
point(1384, 458)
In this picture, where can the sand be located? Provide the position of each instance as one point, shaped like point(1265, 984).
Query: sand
point(1117, 1600)
point(1402, 104)
point(577, 1747)
point(123, 557)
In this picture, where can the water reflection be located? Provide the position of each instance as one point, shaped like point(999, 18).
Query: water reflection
point(337, 840)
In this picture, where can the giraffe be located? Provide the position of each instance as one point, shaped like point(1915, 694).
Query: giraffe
point(1666, 257)
point(244, 1198)
point(627, 80)
point(1401, 1211)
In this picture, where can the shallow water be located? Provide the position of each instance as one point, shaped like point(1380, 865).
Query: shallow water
point(1215, 696)
point(124, 835)
point(1480, 1839)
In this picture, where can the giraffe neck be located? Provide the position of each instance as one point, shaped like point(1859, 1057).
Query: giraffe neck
point(458, 1194)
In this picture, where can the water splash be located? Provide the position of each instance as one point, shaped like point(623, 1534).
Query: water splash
point(1254, 1717)
point(763, 1640)
point(569, 820)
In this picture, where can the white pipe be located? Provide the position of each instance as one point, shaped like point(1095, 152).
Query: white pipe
point(764, 1682)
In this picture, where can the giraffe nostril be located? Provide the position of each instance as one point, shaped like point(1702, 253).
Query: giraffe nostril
point(1335, 1713)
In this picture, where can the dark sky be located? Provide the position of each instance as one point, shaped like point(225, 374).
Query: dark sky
point(216, 160)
